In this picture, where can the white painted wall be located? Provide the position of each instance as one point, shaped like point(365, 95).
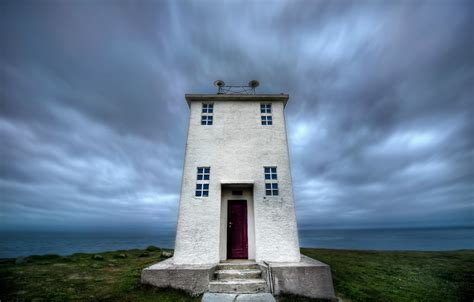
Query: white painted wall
point(236, 147)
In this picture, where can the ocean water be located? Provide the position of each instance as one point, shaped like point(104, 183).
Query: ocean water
point(14, 244)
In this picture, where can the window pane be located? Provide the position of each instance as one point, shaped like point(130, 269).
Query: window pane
point(275, 192)
point(205, 193)
point(206, 176)
point(267, 176)
point(209, 110)
point(207, 170)
point(199, 187)
point(268, 186)
point(199, 176)
point(274, 170)
point(274, 176)
point(198, 193)
point(267, 170)
point(275, 186)
point(268, 192)
point(200, 170)
point(205, 187)
point(269, 118)
point(269, 123)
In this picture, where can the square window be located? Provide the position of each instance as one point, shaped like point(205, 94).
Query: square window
point(268, 186)
point(206, 187)
point(199, 187)
point(268, 192)
point(274, 186)
point(198, 193)
point(205, 193)
point(207, 170)
point(265, 108)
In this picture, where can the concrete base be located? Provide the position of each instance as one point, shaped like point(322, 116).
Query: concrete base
point(193, 279)
point(309, 277)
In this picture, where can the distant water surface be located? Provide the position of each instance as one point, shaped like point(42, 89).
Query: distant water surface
point(13, 244)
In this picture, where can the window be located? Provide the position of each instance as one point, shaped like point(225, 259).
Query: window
point(271, 189)
point(206, 120)
point(271, 184)
point(270, 173)
point(203, 173)
point(265, 108)
point(207, 114)
point(266, 120)
point(202, 190)
point(266, 111)
point(202, 183)
point(207, 108)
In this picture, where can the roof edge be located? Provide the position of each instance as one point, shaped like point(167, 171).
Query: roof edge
point(237, 97)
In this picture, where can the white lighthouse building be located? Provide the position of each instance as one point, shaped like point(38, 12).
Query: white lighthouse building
point(236, 210)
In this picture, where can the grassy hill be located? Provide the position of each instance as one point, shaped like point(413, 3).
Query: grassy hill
point(358, 276)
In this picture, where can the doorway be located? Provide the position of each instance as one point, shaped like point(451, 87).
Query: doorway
point(237, 239)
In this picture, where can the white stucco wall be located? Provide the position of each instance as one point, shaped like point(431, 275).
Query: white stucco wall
point(236, 147)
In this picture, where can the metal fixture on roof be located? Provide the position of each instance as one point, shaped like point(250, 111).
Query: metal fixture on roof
point(222, 88)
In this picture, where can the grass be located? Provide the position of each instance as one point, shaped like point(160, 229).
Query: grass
point(80, 277)
point(358, 276)
point(400, 276)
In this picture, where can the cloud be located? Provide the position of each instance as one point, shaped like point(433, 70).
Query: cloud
point(93, 119)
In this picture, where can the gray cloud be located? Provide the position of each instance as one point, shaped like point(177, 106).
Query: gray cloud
point(93, 118)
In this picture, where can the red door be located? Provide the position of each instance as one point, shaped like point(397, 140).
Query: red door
point(237, 230)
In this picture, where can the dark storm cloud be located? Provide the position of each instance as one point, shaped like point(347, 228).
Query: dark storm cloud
point(93, 118)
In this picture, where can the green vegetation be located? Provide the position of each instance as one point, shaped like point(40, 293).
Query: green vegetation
point(358, 276)
point(400, 276)
point(111, 276)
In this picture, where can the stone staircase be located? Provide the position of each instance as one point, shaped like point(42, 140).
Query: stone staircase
point(241, 277)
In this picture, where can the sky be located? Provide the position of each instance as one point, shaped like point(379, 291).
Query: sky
point(93, 118)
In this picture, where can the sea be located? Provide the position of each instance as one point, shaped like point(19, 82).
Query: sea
point(15, 244)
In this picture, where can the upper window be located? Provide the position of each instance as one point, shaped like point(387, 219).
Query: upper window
point(265, 108)
point(207, 114)
point(270, 173)
point(203, 173)
point(202, 183)
point(207, 108)
point(266, 112)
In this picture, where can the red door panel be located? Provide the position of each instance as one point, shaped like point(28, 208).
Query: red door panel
point(237, 247)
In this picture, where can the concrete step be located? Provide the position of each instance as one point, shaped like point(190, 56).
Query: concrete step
point(240, 286)
point(237, 265)
point(238, 274)
point(219, 297)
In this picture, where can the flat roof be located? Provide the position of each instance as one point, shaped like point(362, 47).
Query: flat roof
point(237, 97)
